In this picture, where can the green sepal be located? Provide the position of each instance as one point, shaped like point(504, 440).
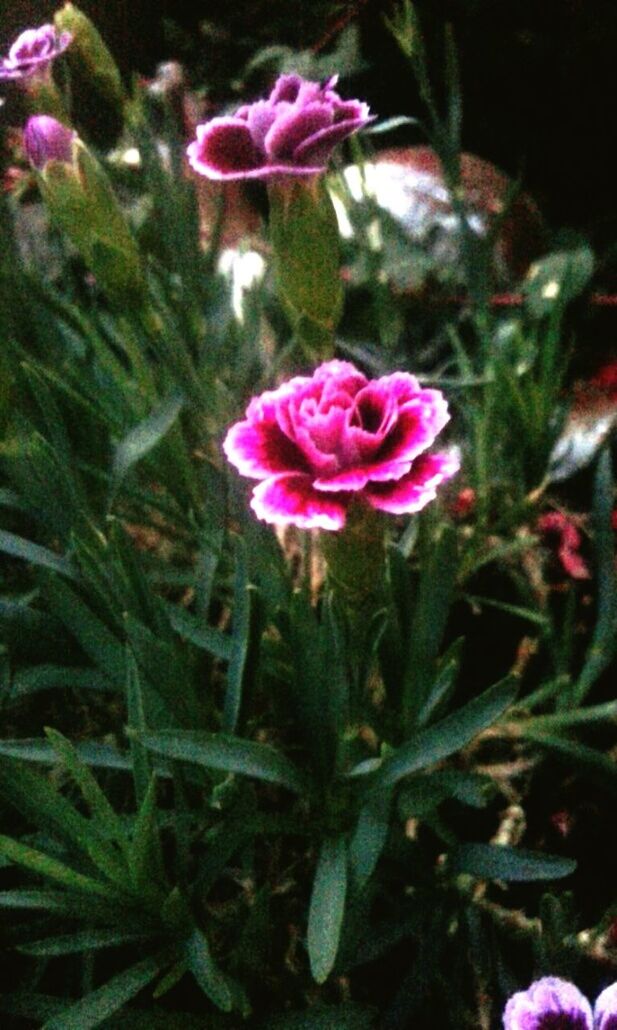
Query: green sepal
point(83, 204)
point(89, 50)
point(305, 240)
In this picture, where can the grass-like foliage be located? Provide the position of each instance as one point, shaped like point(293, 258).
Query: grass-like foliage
point(238, 785)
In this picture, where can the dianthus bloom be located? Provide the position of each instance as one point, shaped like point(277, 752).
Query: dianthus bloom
point(554, 1004)
point(293, 132)
point(32, 53)
point(320, 443)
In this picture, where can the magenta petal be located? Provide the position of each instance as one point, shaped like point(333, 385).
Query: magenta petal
point(419, 421)
point(224, 149)
point(356, 479)
point(342, 374)
point(294, 126)
point(260, 449)
point(548, 1002)
point(291, 500)
point(286, 88)
point(260, 118)
point(417, 488)
point(317, 148)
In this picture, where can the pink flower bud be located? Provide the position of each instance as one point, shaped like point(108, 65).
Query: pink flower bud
point(46, 139)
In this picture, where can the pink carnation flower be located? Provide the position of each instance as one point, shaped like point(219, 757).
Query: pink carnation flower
point(319, 443)
point(293, 132)
point(32, 53)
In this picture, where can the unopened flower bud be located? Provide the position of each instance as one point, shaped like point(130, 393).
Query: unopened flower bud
point(81, 201)
point(90, 54)
point(46, 139)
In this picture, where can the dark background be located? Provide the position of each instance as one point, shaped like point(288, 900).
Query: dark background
point(539, 76)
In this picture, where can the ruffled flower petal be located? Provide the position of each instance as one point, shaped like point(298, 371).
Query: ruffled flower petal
point(318, 147)
point(413, 491)
point(357, 478)
point(260, 449)
point(286, 88)
point(292, 500)
point(605, 1009)
point(224, 149)
point(546, 1001)
point(292, 127)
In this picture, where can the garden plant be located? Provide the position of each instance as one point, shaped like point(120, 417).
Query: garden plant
point(307, 590)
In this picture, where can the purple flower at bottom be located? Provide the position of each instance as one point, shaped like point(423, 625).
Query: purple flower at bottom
point(605, 1011)
point(555, 1004)
point(293, 132)
point(32, 53)
point(319, 444)
point(46, 139)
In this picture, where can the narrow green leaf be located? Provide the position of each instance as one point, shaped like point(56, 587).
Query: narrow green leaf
point(430, 613)
point(599, 767)
point(604, 642)
point(327, 907)
point(370, 835)
point(96, 639)
point(102, 813)
point(137, 722)
point(446, 737)
point(83, 940)
point(229, 754)
point(76, 905)
point(102, 756)
point(512, 865)
point(199, 633)
point(145, 859)
point(212, 981)
point(53, 677)
point(35, 798)
point(18, 547)
point(144, 437)
point(104, 1001)
point(44, 865)
point(240, 639)
point(443, 684)
point(389, 124)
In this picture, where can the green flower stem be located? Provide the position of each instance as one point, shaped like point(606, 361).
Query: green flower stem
point(355, 558)
point(305, 241)
point(44, 97)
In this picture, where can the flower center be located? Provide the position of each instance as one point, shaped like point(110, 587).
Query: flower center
point(562, 1021)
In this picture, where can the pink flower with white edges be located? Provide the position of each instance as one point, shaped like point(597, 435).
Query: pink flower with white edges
point(319, 443)
point(32, 52)
point(293, 132)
